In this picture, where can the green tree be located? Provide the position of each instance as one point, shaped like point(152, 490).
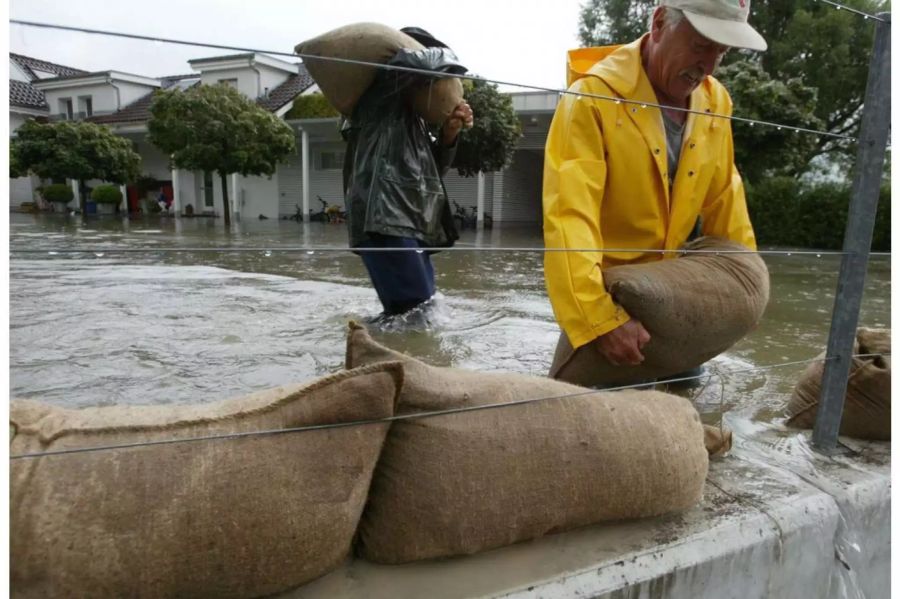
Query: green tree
point(15, 167)
point(810, 44)
point(763, 151)
point(490, 143)
point(215, 128)
point(311, 106)
point(609, 22)
point(73, 150)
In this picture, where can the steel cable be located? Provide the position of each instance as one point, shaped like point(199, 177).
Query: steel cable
point(416, 415)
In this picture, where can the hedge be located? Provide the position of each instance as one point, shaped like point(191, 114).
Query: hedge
point(106, 194)
point(787, 212)
point(57, 192)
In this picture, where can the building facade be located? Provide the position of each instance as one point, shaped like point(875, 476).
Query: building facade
point(307, 180)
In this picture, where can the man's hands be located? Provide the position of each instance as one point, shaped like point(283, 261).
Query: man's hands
point(622, 346)
point(460, 118)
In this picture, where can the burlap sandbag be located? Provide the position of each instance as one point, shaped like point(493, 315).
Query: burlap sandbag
point(694, 307)
point(717, 440)
point(343, 83)
point(867, 404)
point(466, 482)
point(436, 100)
point(238, 517)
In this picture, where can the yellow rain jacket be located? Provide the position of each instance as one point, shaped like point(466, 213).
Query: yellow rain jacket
point(606, 183)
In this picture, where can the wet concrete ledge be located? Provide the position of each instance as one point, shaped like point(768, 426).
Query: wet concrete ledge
point(777, 521)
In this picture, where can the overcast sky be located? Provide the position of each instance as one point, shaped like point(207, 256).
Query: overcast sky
point(520, 41)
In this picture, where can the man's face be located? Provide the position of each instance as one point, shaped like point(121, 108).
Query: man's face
point(681, 58)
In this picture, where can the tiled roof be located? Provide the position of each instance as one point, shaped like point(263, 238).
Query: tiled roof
point(139, 110)
point(136, 112)
point(22, 94)
point(27, 63)
point(170, 80)
point(287, 91)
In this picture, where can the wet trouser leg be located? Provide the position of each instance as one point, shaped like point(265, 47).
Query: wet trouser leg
point(403, 280)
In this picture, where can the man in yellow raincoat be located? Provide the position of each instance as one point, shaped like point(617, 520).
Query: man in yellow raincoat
point(631, 177)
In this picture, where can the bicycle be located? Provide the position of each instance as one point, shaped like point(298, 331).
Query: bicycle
point(463, 217)
point(296, 216)
point(331, 213)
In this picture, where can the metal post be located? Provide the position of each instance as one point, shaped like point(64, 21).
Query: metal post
point(304, 158)
point(876, 121)
point(237, 196)
point(123, 205)
point(76, 194)
point(176, 192)
point(479, 204)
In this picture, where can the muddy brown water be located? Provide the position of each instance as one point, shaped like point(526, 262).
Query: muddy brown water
point(160, 327)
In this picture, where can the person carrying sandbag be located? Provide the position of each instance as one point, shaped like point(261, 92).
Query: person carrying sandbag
point(623, 175)
point(394, 161)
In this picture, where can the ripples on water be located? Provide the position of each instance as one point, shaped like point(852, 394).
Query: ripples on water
point(192, 327)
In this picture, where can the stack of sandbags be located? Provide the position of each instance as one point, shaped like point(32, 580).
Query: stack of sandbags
point(343, 83)
point(694, 307)
point(470, 481)
point(867, 404)
point(236, 517)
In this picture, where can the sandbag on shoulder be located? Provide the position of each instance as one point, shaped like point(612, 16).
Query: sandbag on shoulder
point(344, 83)
point(467, 482)
point(694, 307)
point(867, 404)
point(238, 517)
point(435, 98)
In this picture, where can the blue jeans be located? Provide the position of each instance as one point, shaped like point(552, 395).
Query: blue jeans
point(403, 280)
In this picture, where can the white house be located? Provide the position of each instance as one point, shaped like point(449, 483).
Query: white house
point(271, 82)
point(121, 101)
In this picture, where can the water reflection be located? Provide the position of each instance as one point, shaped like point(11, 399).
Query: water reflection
point(154, 327)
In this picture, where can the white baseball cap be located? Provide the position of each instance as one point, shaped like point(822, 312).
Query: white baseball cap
point(722, 21)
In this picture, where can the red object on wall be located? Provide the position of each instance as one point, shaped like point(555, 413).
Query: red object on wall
point(134, 200)
point(135, 197)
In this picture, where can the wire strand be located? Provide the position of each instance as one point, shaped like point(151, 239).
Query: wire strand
point(434, 74)
point(865, 15)
point(100, 251)
point(416, 415)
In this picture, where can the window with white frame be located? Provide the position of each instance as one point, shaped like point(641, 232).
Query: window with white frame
point(228, 82)
point(330, 160)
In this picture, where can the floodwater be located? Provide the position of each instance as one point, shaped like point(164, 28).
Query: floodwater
point(202, 324)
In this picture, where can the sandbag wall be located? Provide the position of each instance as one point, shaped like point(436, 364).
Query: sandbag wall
point(255, 515)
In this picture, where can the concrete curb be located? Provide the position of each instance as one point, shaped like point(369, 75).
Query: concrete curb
point(777, 521)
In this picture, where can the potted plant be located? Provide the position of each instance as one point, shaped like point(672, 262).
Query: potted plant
point(107, 198)
point(58, 194)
